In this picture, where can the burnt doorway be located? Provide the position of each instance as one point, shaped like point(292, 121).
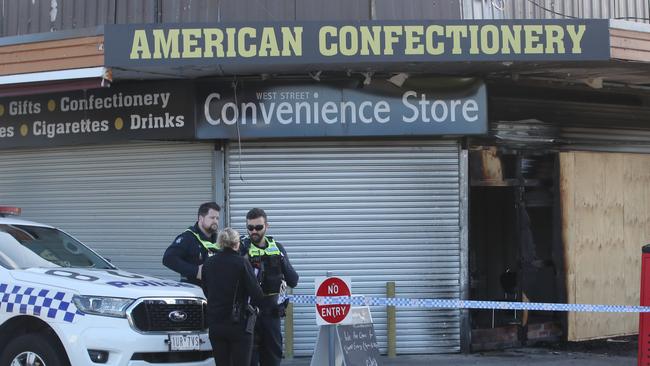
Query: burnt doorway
point(514, 251)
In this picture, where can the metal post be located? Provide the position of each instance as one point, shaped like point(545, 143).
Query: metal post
point(465, 322)
point(331, 352)
point(492, 318)
point(288, 329)
point(392, 322)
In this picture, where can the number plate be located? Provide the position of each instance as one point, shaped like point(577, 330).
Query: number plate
point(184, 342)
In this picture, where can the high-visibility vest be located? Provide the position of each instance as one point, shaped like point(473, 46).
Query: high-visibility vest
point(269, 263)
point(210, 246)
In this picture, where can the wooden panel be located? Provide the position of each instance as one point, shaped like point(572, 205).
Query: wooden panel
point(630, 45)
point(621, 33)
point(52, 55)
point(567, 193)
point(52, 65)
point(605, 200)
point(630, 55)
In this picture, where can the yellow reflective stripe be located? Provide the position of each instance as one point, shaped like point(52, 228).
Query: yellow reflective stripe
point(271, 249)
point(206, 244)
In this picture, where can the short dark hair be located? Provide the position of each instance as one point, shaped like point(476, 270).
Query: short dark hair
point(255, 213)
point(206, 207)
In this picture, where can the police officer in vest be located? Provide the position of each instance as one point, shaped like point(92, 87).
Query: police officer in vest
point(272, 268)
point(192, 247)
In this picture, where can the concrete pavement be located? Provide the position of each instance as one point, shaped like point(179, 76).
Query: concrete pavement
point(521, 356)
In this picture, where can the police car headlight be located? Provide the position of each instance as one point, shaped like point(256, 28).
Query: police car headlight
point(105, 306)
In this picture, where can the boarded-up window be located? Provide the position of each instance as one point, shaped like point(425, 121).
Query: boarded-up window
point(606, 221)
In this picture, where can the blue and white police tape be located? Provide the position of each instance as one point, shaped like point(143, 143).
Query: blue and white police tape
point(460, 304)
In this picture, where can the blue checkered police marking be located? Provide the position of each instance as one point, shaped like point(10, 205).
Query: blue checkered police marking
point(462, 304)
point(40, 302)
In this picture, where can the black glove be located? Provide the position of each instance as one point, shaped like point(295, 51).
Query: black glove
point(282, 308)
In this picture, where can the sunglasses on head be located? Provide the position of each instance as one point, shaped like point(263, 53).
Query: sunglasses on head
point(255, 227)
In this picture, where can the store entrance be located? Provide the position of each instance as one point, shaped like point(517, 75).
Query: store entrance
point(515, 251)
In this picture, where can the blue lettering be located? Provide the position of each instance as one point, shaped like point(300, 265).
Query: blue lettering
point(125, 275)
point(122, 284)
point(118, 284)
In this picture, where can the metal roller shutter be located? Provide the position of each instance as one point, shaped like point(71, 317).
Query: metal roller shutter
point(376, 211)
point(536, 135)
point(126, 201)
point(564, 125)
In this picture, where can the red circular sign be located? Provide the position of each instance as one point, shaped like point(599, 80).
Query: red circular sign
point(333, 287)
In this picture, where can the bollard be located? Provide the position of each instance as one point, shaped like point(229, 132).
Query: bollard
point(331, 350)
point(288, 329)
point(391, 319)
point(644, 318)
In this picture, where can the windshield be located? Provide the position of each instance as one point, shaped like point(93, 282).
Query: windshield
point(25, 246)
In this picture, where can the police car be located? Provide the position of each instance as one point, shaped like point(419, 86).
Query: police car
point(63, 304)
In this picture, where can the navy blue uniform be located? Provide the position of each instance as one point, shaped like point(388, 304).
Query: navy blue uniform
point(187, 253)
point(228, 276)
point(268, 334)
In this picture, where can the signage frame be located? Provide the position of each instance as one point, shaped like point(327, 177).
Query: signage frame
point(231, 46)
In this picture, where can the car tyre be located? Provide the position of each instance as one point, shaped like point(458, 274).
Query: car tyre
point(31, 349)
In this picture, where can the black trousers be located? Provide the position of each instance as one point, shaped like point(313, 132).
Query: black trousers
point(231, 346)
point(268, 341)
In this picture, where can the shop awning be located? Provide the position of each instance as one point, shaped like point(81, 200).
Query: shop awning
point(55, 81)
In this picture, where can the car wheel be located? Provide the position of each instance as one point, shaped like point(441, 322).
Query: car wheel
point(31, 349)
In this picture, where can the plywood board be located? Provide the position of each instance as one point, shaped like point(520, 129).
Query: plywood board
point(605, 202)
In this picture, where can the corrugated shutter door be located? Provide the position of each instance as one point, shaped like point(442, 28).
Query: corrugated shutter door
point(376, 211)
point(126, 201)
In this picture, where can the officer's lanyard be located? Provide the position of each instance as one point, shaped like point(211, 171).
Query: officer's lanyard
point(208, 245)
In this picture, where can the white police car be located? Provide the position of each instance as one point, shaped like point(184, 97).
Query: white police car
point(63, 304)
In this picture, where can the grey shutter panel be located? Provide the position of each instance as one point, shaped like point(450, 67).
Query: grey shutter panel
point(126, 201)
point(376, 211)
point(534, 134)
point(570, 125)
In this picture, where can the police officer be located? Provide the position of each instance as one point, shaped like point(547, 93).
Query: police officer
point(229, 282)
point(272, 267)
point(192, 247)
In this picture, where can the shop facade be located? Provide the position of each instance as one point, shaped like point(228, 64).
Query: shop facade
point(357, 139)
point(355, 182)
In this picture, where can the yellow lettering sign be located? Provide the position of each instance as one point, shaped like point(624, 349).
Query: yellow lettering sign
point(140, 46)
point(165, 46)
point(456, 32)
point(533, 44)
point(213, 38)
point(576, 37)
point(326, 43)
point(359, 40)
point(190, 43)
point(292, 41)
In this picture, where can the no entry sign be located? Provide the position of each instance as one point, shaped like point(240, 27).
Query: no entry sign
point(332, 287)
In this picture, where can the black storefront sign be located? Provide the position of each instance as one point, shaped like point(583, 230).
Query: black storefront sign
point(259, 109)
point(349, 43)
point(184, 110)
point(142, 111)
